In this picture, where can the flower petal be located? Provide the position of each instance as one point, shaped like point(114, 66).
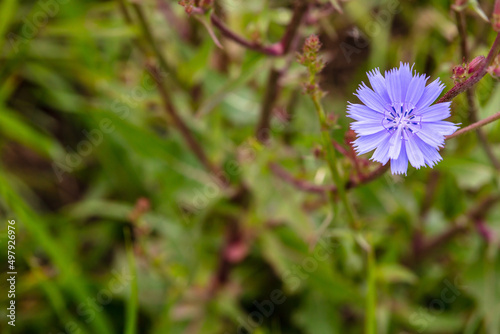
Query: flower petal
point(371, 99)
point(381, 154)
point(414, 153)
point(361, 112)
point(365, 144)
point(436, 112)
point(430, 136)
point(367, 127)
point(378, 84)
point(431, 154)
point(415, 89)
point(393, 82)
point(431, 93)
point(405, 73)
point(442, 127)
point(400, 165)
point(396, 143)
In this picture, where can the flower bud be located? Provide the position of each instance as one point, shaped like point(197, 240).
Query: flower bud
point(188, 5)
point(494, 71)
point(459, 73)
point(475, 64)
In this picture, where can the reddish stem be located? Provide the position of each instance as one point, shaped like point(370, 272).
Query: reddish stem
point(481, 72)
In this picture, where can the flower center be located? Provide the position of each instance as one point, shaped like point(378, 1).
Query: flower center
point(402, 115)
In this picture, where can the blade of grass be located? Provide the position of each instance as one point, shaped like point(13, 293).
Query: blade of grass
point(132, 302)
point(7, 13)
point(37, 229)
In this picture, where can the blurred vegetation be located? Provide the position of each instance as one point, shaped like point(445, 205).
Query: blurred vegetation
point(122, 229)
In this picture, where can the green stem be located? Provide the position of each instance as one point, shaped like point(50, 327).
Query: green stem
point(331, 160)
point(371, 298)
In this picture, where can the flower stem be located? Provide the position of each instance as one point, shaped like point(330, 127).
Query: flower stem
point(476, 125)
point(331, 160)
point(481, 72)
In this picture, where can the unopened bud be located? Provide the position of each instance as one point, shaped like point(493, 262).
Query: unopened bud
point(188, 5)
point(475, 64)
point(309, 56)
point(494, 71)
point(459, 73)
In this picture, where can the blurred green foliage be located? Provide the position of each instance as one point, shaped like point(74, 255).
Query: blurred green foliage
point(121, 229)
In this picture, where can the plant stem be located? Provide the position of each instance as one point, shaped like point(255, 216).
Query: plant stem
point(273, 86)
point(481, 72)
point(272, 50)
point(371, 298)
point(331, 160)
point(474, 126)
point(461, 22)
point(169, 107)
point(321, 189)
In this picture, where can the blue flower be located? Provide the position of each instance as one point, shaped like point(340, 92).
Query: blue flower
point(398, 121)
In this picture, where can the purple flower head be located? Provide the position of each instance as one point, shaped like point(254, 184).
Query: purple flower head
point(398, 121)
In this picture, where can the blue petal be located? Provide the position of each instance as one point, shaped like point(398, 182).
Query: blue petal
point(393, 83)
point(405, 73)
point(442, 127)
point(381, 154)
point(371, 99)
point(436, 112)
point(415, 89)
point(430, 136)
point(431, 154)
point(367, 127)
point(400, 165)
point(431, 93)
point(396, 143)
point(365, 144)
point(414, 153)
point(361, 112)
point(378, 84)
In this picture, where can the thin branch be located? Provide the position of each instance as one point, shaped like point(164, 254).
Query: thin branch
point(165, 95)
point(180, 26)
point(480, 133)
point(272, 50)
point(461, 22)
point(298, 183)
point(474, 126)
point(475, 215)
point(322, 189)
point(273, 89)
point(270, 97)
point(481, 72)
point(462, 32)
point(180, 125)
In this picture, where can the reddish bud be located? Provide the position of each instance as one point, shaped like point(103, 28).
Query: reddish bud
point(494, 71)
point(312, 44)
point(475, 64)
point(459, 73)
point(309, 57)
point(188, 5)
